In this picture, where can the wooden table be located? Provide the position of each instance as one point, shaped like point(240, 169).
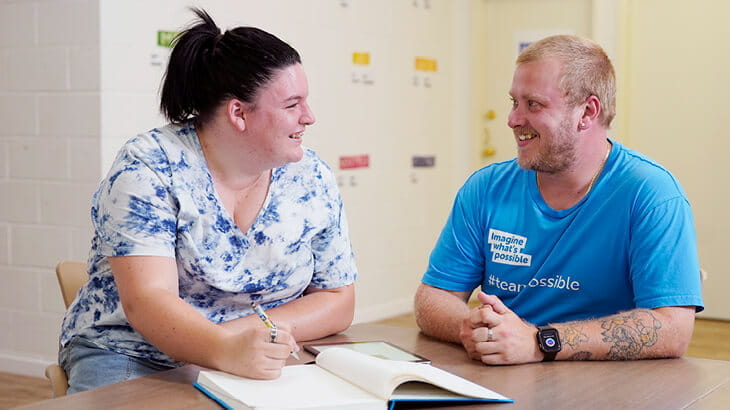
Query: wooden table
point(644, 384)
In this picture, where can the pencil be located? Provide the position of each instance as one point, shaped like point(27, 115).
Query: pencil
point(265, 318)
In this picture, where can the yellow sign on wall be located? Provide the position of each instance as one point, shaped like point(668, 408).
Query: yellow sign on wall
point(361, 58)
point(426, 64)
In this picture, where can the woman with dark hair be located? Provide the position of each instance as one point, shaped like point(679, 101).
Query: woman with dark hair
point(218, 209)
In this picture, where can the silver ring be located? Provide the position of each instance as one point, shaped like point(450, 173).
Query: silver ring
point(272, 334)
point(490, 334)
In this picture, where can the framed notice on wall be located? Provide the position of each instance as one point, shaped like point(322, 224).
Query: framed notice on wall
point(524, 38)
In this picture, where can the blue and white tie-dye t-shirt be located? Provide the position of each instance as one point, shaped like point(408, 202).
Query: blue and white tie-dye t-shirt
point(159, 200)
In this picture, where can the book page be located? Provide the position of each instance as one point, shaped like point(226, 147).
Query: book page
point(300, 387)
point(377, 376)
point(381, 377)
point(377, 348)
point(420, 391)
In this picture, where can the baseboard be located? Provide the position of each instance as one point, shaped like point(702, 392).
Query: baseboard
point(26, 366)
point(383, 310)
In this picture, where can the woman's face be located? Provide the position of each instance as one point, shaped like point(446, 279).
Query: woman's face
point(276, 121)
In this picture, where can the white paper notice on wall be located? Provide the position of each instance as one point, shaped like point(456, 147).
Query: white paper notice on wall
point(526, 37)
point(161, 53)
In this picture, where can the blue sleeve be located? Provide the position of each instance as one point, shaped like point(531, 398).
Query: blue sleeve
point(664, 264)
point(334, 260)
point(133, 211)
point(457, 261)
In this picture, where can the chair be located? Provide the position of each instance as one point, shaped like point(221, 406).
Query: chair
point(71, 276)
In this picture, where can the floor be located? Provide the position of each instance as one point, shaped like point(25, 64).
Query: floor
point(17, 390)
point(710, 340)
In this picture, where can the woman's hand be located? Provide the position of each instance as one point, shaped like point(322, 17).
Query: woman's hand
point(252, 354)
point(148, 289)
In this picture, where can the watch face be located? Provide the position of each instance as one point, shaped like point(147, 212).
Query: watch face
point(549, 340)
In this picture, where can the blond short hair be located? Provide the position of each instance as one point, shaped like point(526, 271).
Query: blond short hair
point(586, 70)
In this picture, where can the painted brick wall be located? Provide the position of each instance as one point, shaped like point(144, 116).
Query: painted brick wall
point(49, 165)
point(79, 77)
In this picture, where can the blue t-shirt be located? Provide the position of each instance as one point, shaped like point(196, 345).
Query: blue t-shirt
point(158, 199)
point(629, 243)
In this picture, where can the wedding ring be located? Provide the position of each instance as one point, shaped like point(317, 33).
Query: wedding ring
point(272, 334)
point(490, 334)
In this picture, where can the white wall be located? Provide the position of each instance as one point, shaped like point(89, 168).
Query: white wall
point(676, 101)
point(499, 26)
point(395, 211)
point(49, 162)
point(77, 78)
point(672, 61)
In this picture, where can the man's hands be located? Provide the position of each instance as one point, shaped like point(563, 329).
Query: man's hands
point(512, 341)
point(630, 335)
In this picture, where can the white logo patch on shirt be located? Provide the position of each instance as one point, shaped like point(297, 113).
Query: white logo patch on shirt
point(507, 248)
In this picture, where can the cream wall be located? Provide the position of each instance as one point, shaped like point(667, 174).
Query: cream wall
point(676, 100)
point(49, 165)
point(498, 26)
point(77, 78)
point(395, 211)
point(672, 61)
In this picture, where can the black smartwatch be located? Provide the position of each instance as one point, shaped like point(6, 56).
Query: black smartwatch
point(548, 339)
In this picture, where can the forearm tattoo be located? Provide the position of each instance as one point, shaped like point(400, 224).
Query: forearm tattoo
point(581, 356)
point(572, 335)
point(630, 333)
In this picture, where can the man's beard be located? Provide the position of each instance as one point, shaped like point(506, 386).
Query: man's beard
point(555, 156)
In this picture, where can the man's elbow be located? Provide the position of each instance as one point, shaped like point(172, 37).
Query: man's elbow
point(679, 323)
point(676, 348)
point(424, 309)
point(680, 343)
point(422, 321)
point(419, 309)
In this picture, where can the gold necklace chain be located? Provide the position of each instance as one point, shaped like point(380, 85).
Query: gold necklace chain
point(603, 164)
point(595, 176)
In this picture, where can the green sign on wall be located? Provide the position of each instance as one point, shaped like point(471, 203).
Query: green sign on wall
point(164, 38)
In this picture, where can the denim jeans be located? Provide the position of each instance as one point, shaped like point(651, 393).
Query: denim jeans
point(89, 366)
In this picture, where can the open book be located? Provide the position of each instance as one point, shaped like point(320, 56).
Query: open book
point(345, 379)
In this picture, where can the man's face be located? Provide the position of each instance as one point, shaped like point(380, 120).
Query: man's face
point(545, 127)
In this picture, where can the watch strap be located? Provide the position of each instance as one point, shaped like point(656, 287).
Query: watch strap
point(548, 356)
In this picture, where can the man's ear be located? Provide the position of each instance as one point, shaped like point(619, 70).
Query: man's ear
point(236, 113)
point(591, 113)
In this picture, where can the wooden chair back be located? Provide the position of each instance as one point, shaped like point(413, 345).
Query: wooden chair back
point(71, 276)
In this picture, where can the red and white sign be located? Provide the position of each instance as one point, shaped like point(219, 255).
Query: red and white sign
point(355, 161)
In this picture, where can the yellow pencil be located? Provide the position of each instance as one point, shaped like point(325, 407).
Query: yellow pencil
point(265, 318)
